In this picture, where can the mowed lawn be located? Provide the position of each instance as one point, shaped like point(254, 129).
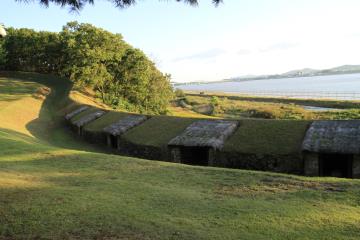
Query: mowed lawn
point(55, 187)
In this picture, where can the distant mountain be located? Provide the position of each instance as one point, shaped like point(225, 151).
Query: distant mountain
point(306, 72)
point(302, 72)
point(345, 69)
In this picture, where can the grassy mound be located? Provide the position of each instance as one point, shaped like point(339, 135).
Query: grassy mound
point(268, 137)
point(53, 187)
point(158, 130)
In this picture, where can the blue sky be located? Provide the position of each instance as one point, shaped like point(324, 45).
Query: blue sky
point(205, 43)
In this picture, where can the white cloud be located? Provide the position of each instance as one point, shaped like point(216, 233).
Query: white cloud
point(322, 37)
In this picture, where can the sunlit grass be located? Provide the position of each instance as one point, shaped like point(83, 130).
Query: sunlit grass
point(48, 191)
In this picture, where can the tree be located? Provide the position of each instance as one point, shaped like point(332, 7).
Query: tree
point(79, 4)
point(28, 50)
point(91, 57)
point(2, 31)
point(87, 52)
point(138, 84)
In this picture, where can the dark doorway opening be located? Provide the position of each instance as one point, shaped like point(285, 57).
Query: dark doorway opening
point(113, 141)
point(336, 165)
point(195, 155)
point(80, 130)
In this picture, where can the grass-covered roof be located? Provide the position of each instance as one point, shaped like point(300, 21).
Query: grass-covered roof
point(89, 118)
point(124, 124)
point(76, 112)
point(205, 133)
point(267, 137)
point(158, 130)
point(333, 137)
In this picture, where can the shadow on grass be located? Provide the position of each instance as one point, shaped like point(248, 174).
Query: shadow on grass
point(81, 195)
point(50, 126)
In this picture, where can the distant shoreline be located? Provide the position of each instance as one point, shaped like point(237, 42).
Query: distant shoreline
point(355, 69)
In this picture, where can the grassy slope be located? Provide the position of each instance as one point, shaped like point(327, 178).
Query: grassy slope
point(48, 191)
point(268, 137)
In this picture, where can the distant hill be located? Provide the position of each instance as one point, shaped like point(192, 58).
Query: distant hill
point(305, 72)
point(302, 72)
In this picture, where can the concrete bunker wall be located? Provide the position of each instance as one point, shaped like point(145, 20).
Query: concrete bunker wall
point(332, 165)
point(287, 163)
point(200, 141)
point(202, 156)
point(79, 124)
point(201, 145)
point(114, 131)
point(332, 148)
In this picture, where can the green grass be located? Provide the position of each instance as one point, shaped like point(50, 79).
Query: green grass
point(268, 137)
point(54, 187)
point(326, 103)
point(158, 130)
point(106, 120)
point(273, 108)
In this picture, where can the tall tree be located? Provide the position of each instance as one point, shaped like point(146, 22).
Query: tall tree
point(122, 76)
point(78, 4)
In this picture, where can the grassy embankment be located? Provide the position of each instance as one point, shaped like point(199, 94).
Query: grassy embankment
point(53, 187)
point(271, 108)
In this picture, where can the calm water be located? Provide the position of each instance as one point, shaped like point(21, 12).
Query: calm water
point(335, 86)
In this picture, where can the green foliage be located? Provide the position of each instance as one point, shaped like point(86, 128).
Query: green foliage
point(179, 93)
point(28, 50)
point(289, 109)
point(214, 101)
point(76, 5)
point(122, 76)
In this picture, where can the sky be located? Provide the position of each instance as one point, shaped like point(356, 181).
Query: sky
point(207, 43)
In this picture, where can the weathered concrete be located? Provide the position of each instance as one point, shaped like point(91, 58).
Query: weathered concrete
point(205, 133)
point(356, 166)
point(89, 118)
point(333, 137)
point(76, 112)
point(175, 155)
point(311, 164)
point(125, 124)
point(115, 130)
point(79, 124)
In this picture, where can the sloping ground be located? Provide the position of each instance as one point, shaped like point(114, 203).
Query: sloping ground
point(48, 191)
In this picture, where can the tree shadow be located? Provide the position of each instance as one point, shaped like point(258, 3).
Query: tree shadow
point(50, 126)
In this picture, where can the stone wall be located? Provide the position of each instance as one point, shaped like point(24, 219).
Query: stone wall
point(275, 163)
point(356, 166)
point(311, 164)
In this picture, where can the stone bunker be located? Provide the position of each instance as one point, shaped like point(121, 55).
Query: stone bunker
point(76, 112)
point(329, 148)
point(199, 142)
point(79, 124)
point(332, 148)
point(118, 128)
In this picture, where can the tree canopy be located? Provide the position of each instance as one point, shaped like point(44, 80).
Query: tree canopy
point(2, 31)
point(122, 76)
point(78, 4)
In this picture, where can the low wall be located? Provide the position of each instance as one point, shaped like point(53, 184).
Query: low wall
point(292, 163)
point(148, 152)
